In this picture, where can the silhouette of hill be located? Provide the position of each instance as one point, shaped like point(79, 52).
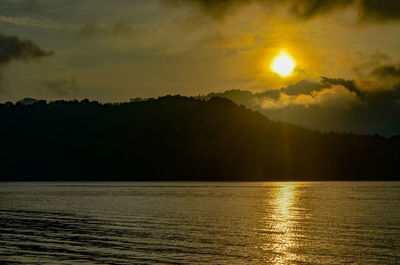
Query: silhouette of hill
point(179, 138)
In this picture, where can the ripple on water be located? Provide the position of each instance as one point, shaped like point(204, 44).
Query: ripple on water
point(200, 223)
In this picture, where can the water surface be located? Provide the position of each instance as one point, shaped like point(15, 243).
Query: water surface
point(200, 223)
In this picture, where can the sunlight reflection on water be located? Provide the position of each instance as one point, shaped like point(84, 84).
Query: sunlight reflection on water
point(283, 225)
point(280, 223)
point(200, 223)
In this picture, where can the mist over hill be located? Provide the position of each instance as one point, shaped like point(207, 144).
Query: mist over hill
point(331, 104)
point(179, 138)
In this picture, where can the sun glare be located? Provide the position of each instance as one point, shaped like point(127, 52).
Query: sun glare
point(283, 64)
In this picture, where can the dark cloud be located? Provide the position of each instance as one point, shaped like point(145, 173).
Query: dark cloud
point(311, 8)
point(368, 10)
point(62, 87)
point(13, 48)
point(379, 10)
point(349, 84)
point(300, 8)
point(303, 87)
point(388, 70)
point(214, 8)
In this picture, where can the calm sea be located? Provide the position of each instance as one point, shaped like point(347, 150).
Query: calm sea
point(200, 223)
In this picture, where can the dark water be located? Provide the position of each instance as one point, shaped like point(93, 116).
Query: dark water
point(200, 223)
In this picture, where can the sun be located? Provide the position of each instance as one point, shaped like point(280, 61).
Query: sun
point(283, 64)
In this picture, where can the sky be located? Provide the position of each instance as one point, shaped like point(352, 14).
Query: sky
point(116, 50)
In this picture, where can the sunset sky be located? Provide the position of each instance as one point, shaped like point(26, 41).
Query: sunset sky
point(117, 50)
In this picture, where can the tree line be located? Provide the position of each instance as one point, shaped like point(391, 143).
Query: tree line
point(179, 138)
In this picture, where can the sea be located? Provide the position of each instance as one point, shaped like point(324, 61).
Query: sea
point(200, 223)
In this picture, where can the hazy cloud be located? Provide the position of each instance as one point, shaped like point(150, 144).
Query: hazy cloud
point(25, 4)
point(116, 29)
point(337, 96)
point(366, 63)
point(387, 70)
point(12, 48)
point(45, 23)
point(379, 75)
point(89, 29)
point(62, 87)
point(328, 105)
point(382, 87)
point(368, 10)
point(121, 29)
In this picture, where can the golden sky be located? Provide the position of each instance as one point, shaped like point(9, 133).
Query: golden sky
point(118, 50)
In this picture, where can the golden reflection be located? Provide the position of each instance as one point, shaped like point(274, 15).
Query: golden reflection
point(281, 223)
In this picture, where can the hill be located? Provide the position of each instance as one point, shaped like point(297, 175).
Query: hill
point(179, 138)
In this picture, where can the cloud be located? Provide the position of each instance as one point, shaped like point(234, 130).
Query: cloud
point(367, 63)
point(89, 29)
point(328, 105)
point(367, 10)
point(349, 84)
point(24, 4)
point(213, 8)
point(299, 8)
point(310, 8)
point(378, 85)
point(387, 70)
point(62, 87)
point(337, 96)
point(122, 29)
point(336, 93)
point(14, 49)
point(44, 23)
point(381, 11)
point(118, 29)
point(377, 76)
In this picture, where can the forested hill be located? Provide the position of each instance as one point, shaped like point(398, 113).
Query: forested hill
point(179, 138)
